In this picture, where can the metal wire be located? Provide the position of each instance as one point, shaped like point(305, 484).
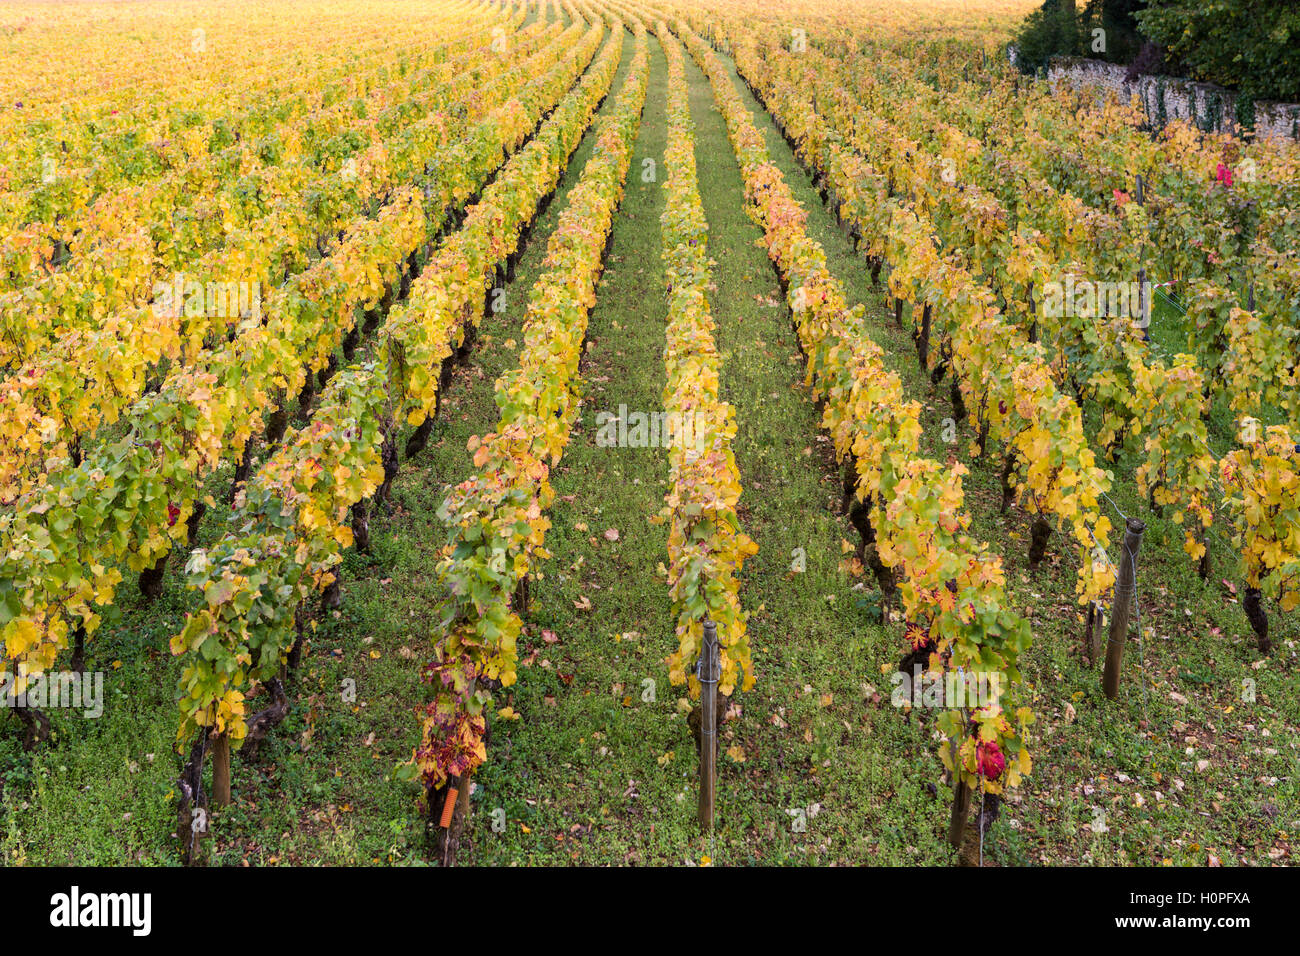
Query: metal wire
point(1113, 505)
point(1170, 301)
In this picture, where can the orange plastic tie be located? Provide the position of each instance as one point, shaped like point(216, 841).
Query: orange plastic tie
point(448, 808)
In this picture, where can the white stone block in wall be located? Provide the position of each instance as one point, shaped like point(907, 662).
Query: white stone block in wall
point(1203, 104)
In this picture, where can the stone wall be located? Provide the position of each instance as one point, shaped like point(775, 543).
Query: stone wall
point(1168, 98)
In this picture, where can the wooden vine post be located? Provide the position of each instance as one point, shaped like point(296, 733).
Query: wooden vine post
point(1125, 588)
point(708, 676)
point(220, 772)
point(1144, 307)
point(960, 811)
point(961, 795)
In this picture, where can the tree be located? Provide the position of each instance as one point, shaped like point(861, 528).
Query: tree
point(1250, 45)
point(1104, 29)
